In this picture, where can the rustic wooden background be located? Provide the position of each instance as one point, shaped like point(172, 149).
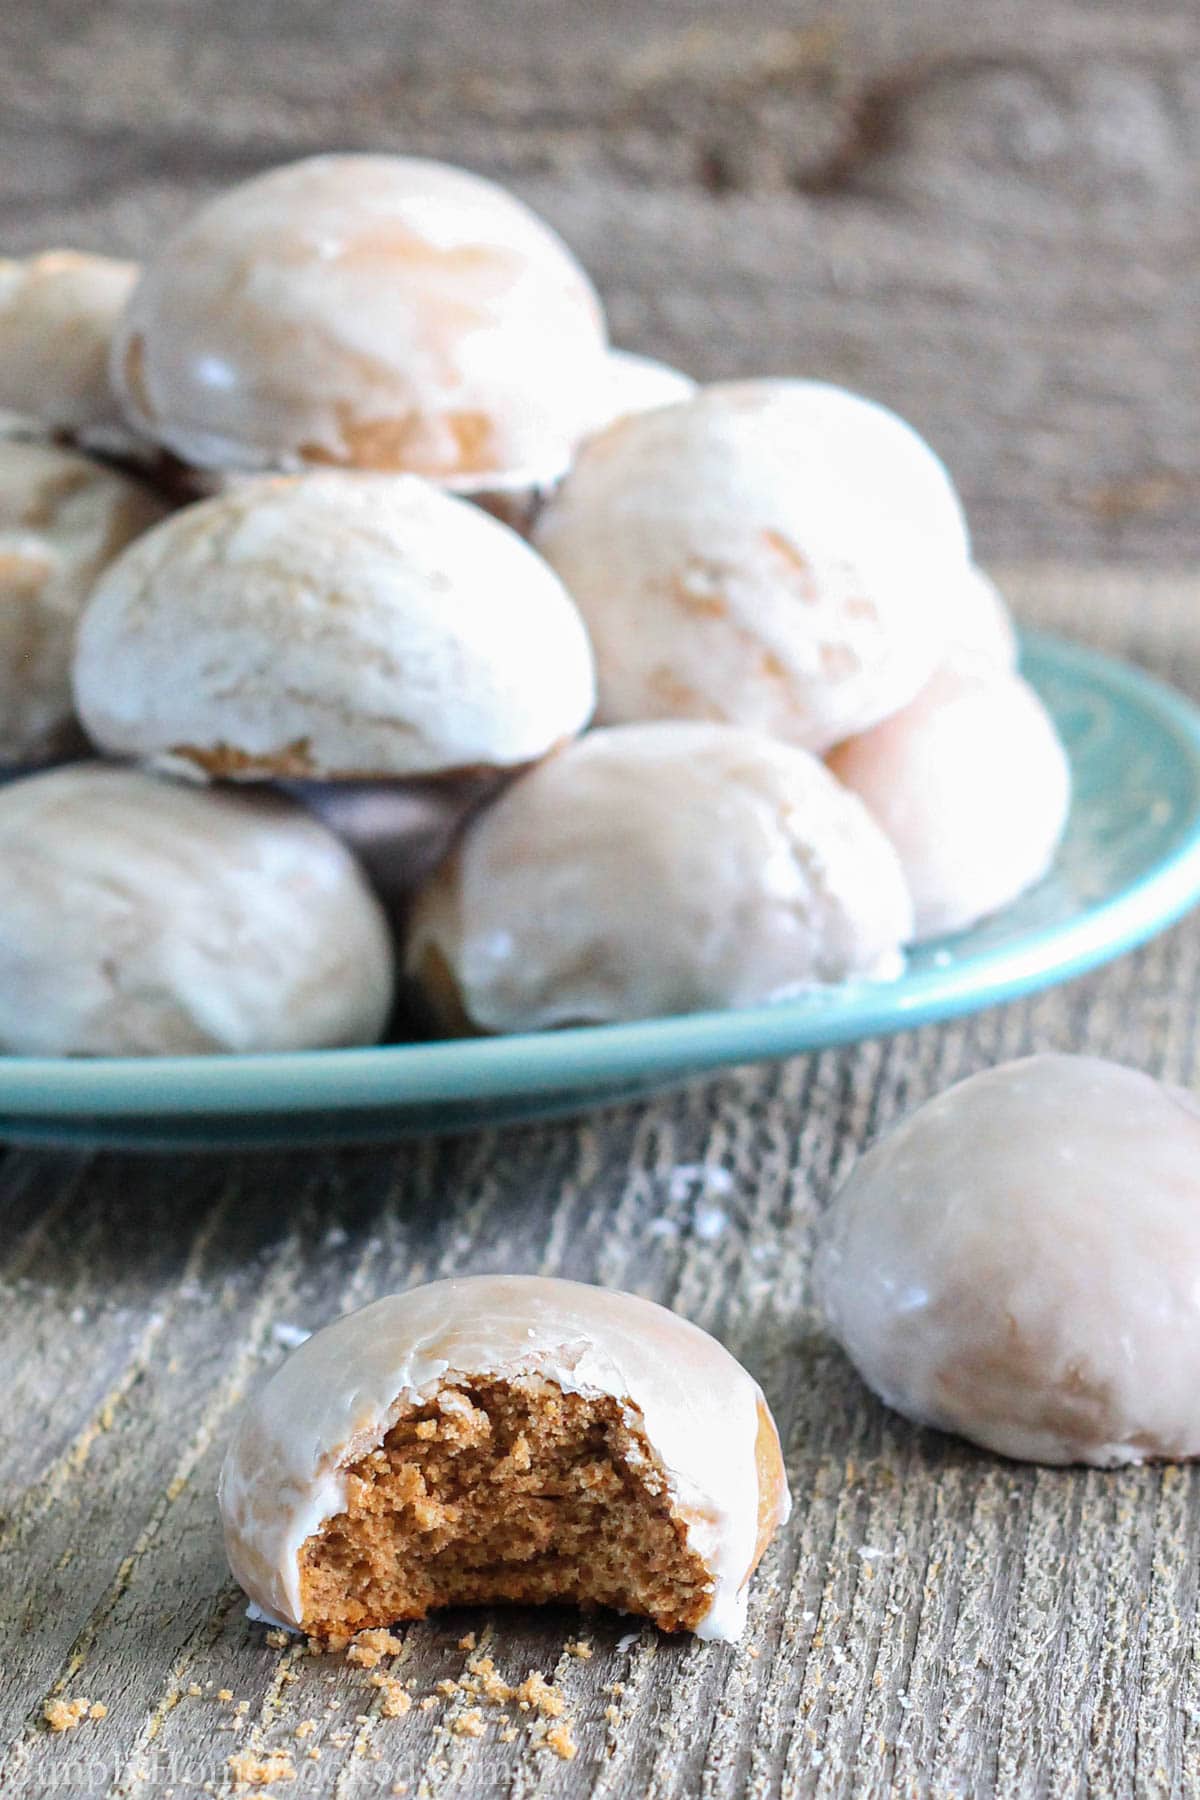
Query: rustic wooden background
point(991, 218)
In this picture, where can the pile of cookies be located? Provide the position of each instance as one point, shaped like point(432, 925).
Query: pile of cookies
point(407, 628)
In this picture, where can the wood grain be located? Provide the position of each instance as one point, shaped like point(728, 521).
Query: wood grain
point(989, 217)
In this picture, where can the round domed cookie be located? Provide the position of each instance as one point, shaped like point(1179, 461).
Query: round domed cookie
point(656, 869)
point(776, 554)
point(63, 518)
point(980, 623)
point(380, 312)
point(627, 384)
point(58, 312)
point(1019, 1262)
point(141, 917)
point(504, 1438)
point(332, 625)
point(635, 384)
point(972, 786)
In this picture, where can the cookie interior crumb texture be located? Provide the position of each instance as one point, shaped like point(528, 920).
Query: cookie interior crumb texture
point(504, 1490)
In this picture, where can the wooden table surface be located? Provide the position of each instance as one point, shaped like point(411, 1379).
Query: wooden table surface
point(991, 218)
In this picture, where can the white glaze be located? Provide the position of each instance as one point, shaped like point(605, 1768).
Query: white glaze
point(971, 785)
point(337, 1395)
point(1019, 1262)
point(62, 520)
point(656, 869)
point(635, 384)
point(980, 622)
point(778, 554)
point(142, 917)
point(382, 311)
point(372, 620)
point(58, 312)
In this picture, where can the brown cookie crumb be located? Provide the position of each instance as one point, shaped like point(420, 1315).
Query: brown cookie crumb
point(535, 1691)
point(370, 1647)
point(469, 1724)
point(396, 1702)
point(560, 1740)
point(249, 1769)
point(64, 1715)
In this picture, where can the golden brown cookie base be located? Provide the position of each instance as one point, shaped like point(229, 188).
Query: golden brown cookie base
point(504, 1490)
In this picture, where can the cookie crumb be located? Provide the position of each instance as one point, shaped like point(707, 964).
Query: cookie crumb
point(491, 1685)
point(97, 1710)
point(579, 1647)
point(469, 1724)
point(249, 1769)
point(448, 1689)
point(536, 1691)
point(468, 1642)
point(305, 1728)
point(370, 1648)
point(429, 1702)
point(277, 1639)
point(560, 1740)
point(65, 1715)
point(194, 1691)
point(224, 1693)
point(396, 1701)
point(508, 1735)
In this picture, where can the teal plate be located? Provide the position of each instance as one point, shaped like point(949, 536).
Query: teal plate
point(1128, 866)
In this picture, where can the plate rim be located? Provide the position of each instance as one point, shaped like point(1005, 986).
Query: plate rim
point(495, 1068)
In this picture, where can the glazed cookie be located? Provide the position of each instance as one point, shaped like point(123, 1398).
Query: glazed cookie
point(636, 384)
point(380, 312)
point(776, 554)
point(62, 520)
point(58, 312)
point(504, 1438)
point(972, 786)
point(1019, 1262)
point(980, 623)
point(328, 626)
point(656, 869)
point(148, 918)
